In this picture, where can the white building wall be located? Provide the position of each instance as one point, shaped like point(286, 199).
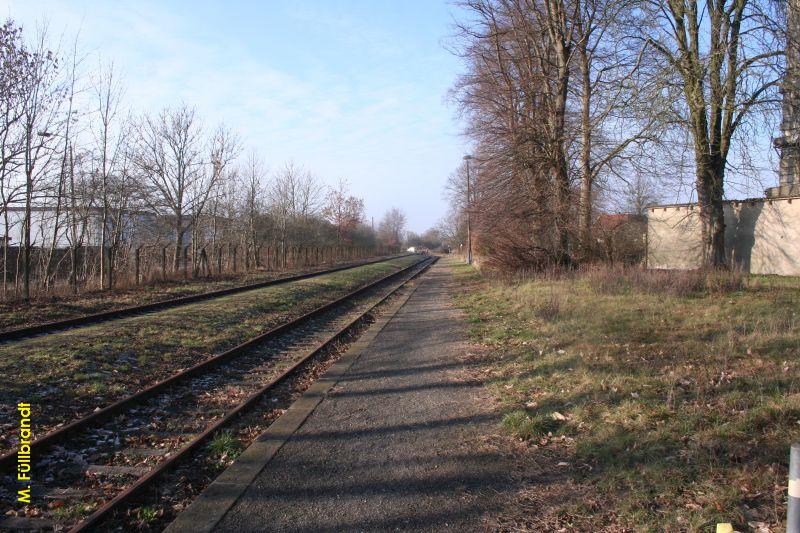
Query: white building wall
point(42, 224)
point(761, 236)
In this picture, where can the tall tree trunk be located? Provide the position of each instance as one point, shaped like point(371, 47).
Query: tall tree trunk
point(561, 169)
point(73, 268)
point(26, 229)
point(112, 255)
point(179, 231)
point(104, 240)
point(585, 202)
point(712, 215)
point(54, 241)
point(5, 253)
point(717, 221)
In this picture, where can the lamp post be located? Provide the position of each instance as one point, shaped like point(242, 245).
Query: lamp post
point(467, 159)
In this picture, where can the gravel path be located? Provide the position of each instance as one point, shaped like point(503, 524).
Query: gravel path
point(397, 444)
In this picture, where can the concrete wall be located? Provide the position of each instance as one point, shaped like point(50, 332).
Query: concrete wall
point(761, 236)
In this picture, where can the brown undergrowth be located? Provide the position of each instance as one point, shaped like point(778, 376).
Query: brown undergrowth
point(70, 373)
point(63, 305)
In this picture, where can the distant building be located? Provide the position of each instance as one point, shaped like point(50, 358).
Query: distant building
point(137, 226)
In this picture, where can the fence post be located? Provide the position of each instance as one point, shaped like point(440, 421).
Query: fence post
point(793, 504)
point(204, 261)
point(136, 263)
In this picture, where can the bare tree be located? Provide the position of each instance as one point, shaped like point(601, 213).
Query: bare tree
point(169, 156)
point(253, 193)
point(178, 175)
point(81, 195)
point(224, 211)
point(726, 57)
point(452, 229)
point(514, 96)
point(42, 96)
point(343, 210)
point(108, 141)
point(223, 148)
point(67, 135)
point(295, 198)
point(14, 59)
point(390, 229)
point(616, 98)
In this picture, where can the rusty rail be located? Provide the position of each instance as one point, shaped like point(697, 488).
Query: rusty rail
point(145, 481)
point(8, 460)
point(57, 325)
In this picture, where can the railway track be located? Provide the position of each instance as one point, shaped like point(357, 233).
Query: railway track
point(69, 374)
point(98, 464)
point(96, 318)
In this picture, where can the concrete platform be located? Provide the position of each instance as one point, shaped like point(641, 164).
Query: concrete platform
point(389, 439)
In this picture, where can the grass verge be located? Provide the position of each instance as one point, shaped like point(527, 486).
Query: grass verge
point(14, 314)
point(67, 374)
point(669, 403)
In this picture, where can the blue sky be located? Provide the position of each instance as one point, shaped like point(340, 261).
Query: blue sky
point(350, 89)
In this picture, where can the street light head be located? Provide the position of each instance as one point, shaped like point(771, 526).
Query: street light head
point(45, 134)
point(467, 157)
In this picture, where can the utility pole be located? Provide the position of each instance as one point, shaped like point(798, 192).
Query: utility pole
point(467, 159)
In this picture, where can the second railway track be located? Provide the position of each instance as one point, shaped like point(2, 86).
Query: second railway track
point(113, 314)
point(71, 374)
point(97, 464)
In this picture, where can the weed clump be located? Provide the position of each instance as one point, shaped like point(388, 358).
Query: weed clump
point(521, 425)
point(225, 446)
point(147, 515)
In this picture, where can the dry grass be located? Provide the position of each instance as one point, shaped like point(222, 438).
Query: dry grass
point(621, 279)
point(69, 373)
point(671, 397)
point(63, 304)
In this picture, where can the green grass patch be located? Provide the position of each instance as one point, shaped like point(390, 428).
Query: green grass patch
point(72, 512)
point(225, 446)
point(147, 515)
